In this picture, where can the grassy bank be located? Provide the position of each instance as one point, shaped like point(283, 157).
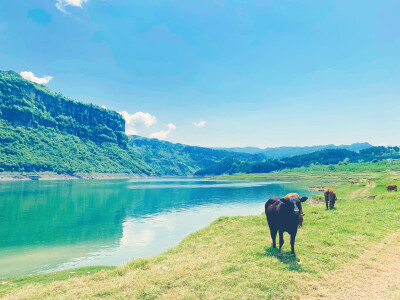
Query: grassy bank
point(232, 257)
point(324, 174)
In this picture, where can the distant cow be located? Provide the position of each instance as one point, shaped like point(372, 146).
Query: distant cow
point(284, 215)
point(330, 197)
point(391, 187)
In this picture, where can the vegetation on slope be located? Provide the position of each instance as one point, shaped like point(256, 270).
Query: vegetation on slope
point(43, 131)
point(28, 104)
point(324, 157)
point(233, 258)
point(281, 152)
point(166, 158)
point(24, 149)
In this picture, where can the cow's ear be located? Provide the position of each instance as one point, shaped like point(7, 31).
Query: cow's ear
point(304, 199)
point(284, 200)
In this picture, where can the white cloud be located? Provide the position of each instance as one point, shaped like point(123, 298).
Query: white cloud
point(132, 121)
point(30, 76)
point(61, 4)
point(163, 133)
point(103, 106)
point(200, 123)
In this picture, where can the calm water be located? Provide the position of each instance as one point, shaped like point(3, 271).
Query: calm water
point(55, 225)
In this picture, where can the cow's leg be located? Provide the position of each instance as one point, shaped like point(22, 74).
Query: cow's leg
point(273, 236)
point(281, 241)
point(292, 240)
point(326, 201)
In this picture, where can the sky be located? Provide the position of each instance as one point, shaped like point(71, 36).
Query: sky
point(218, 73)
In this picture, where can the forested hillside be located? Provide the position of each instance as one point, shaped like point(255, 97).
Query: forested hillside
point(281, 152)
point(323, 157)
point(44, 131)
point(170, 159)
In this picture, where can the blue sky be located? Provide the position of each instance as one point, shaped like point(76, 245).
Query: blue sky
point(248, 73)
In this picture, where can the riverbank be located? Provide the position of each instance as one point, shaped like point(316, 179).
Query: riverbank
point(323, 174)
point(54, 176)
point(232, 257)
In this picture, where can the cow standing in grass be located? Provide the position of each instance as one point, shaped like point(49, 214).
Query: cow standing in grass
point(330, 197)
point(283, 215)
point(391, 187)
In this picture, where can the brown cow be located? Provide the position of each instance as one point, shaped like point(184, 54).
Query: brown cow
point(391, 187)
point(330, 196)
point(301, 216)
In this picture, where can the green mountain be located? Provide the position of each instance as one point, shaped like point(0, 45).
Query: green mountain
point(45, 131)
point(281, 152)
point(323, 157)
point(170, 159)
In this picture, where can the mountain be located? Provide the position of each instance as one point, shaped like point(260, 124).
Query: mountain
point(45, 131)
point(171, 159)
point(322, 157)
point(280, 152)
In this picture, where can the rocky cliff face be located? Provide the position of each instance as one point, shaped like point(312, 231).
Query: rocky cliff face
point(24, 103)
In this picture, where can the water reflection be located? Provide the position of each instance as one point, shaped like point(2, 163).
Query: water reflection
point(46, 226)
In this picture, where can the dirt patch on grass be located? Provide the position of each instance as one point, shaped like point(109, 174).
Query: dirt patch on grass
point(356, 193)
point(316, 199)
point(375, 275)
point(362, 192)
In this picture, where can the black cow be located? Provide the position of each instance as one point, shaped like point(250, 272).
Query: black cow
point(283, 215)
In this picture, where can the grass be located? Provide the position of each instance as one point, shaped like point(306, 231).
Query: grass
point(12, 283)
point(233, 258)
point(323, 174)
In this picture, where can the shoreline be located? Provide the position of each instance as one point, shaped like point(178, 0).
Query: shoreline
point(4, 177)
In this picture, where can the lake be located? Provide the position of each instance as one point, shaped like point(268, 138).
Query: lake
point(55, 225)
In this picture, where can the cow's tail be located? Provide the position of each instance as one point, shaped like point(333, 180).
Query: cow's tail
point(267, 204)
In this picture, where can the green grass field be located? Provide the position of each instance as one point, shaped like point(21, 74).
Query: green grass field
point(233, 258)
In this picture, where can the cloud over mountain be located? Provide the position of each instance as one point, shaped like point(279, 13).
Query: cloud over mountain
point(162, 134)
point(30, 76)
point(133, 121)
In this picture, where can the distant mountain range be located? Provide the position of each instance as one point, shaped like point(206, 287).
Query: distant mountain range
point(169, 159)
point(322, 157)
point(280, 152)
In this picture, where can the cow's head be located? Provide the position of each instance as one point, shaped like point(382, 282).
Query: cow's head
point(294, 203)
